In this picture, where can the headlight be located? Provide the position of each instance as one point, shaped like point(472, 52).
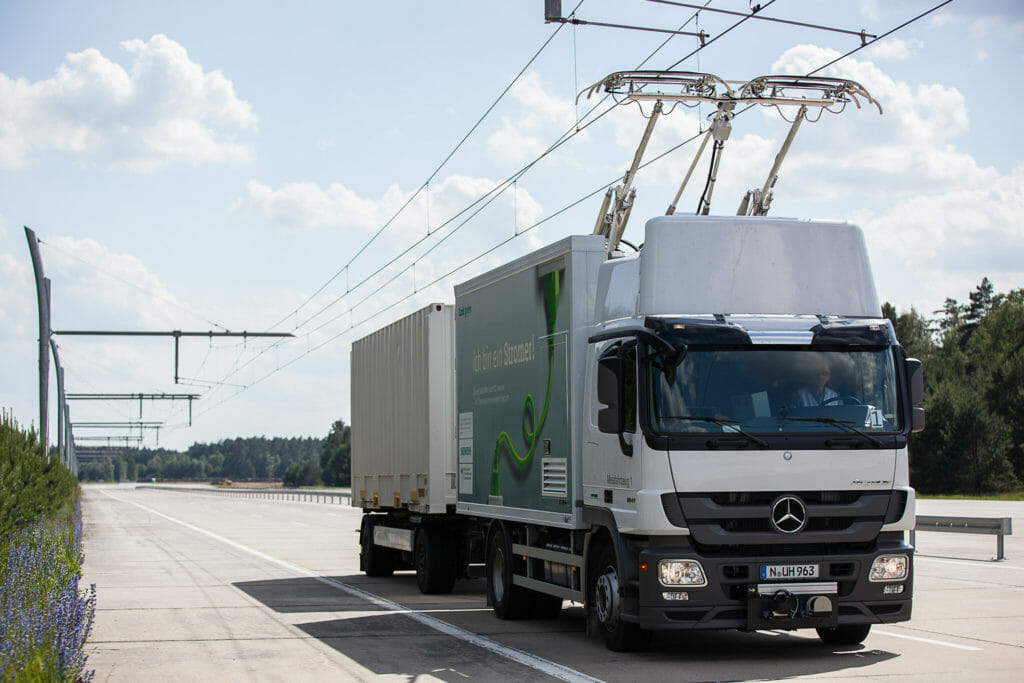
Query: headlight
point(681, 573)
point(889, 568)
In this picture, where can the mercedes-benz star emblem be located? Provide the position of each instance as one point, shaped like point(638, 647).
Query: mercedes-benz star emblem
point(789, 515)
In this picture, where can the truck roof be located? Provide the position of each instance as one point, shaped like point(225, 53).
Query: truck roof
point(754, 266)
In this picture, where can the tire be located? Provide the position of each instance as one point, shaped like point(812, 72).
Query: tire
point(605, 600)
point(373, 559)
point(434, 559)
point(508, 601)
point(848, 634)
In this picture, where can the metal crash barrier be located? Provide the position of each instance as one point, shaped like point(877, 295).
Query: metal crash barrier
point(993, 526)
point(329, 497)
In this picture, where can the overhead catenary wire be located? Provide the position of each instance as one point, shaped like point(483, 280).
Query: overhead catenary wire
point(561, 140)
point(486, 197)
point(719, 36)
point(523, 231)
point(920, 16)
point(433, 174)
point(454, 270)
point(754, 15)
point(102, 271)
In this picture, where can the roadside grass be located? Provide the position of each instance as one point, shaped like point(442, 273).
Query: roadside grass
point(44, 618)
point(1008, 495)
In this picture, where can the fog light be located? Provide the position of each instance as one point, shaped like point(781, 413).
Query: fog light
point(669, 595)
point(681, 573)
point(894, 589)
point(889, 568)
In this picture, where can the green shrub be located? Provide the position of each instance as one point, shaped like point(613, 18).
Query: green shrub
point(33, 484)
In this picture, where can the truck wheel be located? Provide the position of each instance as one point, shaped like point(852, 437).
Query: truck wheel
point(848, 634)
point(373, 559)
point(434, 557)
point(606, 602)
point(509, 602)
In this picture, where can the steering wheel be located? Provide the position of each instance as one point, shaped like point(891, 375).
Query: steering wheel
point(845, 399)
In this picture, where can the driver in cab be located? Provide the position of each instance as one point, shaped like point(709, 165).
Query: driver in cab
point(816, 391)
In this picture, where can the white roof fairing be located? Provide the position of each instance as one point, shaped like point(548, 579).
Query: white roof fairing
point(755, 266)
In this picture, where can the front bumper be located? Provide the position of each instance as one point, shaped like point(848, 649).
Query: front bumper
point(736, 597)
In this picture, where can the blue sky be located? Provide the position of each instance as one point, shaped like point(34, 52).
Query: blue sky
point(203, 166)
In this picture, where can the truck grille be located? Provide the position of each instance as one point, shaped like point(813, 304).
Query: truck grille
point(741, 520)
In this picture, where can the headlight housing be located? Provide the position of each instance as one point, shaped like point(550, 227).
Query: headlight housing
point(889, 568)
point(681, 573)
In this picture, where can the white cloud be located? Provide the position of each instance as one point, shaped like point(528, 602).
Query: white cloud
point(96, 288)
point(983, 26)
point(908, 148)
point(872, 9)
point(164, 110)
point(936, 220)
point(949, 240)
point(527, 134)
point(17, 295)
point(895, 49)
point(309, 206)
point(404, 260)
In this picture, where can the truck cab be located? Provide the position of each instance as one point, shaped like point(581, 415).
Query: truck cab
point(745, 450)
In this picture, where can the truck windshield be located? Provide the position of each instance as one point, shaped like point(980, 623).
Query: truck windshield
point(775, 390)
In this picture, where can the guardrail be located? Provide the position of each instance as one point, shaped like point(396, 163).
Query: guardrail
point(329, 497)
point(995, 526)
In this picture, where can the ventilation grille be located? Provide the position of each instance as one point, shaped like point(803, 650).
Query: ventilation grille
point(555, 473)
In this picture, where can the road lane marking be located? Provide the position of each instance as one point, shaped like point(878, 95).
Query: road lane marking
point(926, 640)
point(519, 656)
point(987, 564)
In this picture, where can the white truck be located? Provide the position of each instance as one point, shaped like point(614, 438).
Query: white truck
point(707, 433)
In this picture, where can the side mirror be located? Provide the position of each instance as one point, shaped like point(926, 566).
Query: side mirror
point(915, 378)
point(610, 372)
point(915, 381)
point(918, 420)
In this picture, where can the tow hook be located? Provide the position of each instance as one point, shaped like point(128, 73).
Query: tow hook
point(808, 605)
point(784, 605)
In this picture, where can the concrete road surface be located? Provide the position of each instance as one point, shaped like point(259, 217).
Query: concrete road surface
point(207, 588)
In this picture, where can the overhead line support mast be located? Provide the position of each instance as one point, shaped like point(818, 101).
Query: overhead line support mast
point(177, 334)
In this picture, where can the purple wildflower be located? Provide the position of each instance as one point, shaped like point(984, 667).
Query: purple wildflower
point(44, 618)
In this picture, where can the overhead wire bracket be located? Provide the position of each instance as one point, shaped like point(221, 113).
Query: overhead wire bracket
point(690, 88)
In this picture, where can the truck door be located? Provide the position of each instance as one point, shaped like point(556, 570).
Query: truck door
point(611, 461)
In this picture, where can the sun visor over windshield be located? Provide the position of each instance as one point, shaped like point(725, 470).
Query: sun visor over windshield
point(853, 335)
point(682, 331)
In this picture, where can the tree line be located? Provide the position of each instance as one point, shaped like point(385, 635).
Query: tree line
point(973, 356)
point(297, 461)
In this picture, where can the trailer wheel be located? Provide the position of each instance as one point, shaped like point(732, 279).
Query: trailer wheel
point(508, 601)
point(847, 634)
point(434, 557)
point(373, 559)
point(605, 600)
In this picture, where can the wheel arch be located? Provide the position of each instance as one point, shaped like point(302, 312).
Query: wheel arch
point(604, 531)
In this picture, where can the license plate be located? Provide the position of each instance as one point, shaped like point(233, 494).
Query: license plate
point(789, 571)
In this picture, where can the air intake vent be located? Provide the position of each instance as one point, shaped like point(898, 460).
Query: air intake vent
point(555, 473)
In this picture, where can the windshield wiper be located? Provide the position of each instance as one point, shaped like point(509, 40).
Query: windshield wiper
point(733, 426)
point(845, 424)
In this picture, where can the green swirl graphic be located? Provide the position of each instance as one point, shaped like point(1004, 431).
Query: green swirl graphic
point(532, 426)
